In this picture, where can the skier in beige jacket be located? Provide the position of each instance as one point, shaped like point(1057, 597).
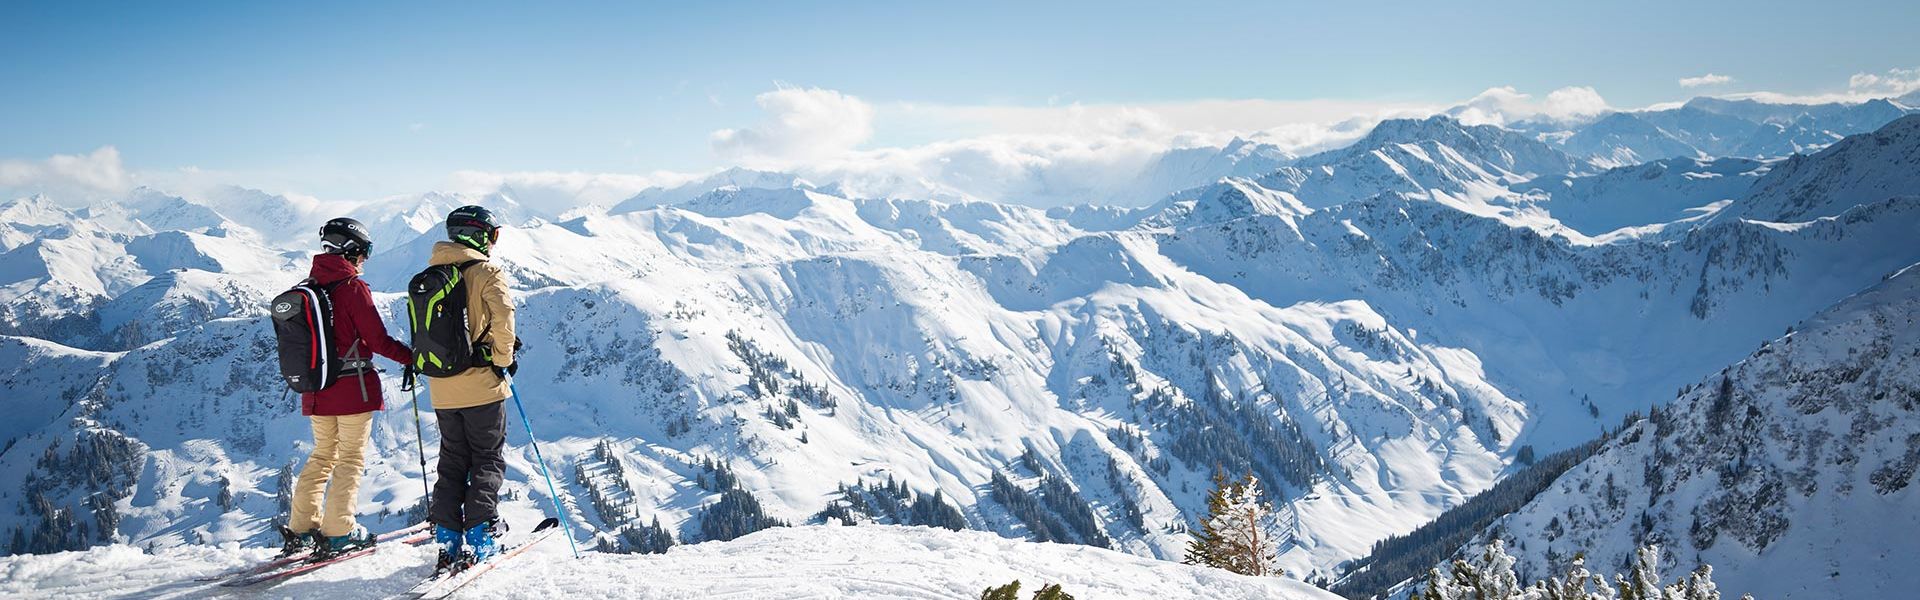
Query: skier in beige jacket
point(469, 405)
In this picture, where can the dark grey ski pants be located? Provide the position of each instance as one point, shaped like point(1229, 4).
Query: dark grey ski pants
point(473, 441)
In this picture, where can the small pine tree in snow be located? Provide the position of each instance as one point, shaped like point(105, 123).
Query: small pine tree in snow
point(1642, 581)
point(1697, 585)
point(1237, 534)
point(1051, 592)
point(1578, 584)
point(1487, 576)
point(1009, 591)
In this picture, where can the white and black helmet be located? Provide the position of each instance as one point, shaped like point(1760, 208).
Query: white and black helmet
point(345, 237)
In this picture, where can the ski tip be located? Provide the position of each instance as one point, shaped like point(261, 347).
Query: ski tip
point(549, 523)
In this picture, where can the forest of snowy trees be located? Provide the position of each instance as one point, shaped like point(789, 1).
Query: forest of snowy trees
point(1399, 558)
point(1489, 575)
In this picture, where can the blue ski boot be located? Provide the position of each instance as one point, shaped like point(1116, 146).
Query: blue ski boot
point(482, 541)
point(449, 541)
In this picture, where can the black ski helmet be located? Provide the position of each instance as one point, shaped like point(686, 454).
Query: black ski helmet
point(473, 226)
point(345, 237)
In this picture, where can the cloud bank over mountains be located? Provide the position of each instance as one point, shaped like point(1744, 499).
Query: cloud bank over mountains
point(1050, 155)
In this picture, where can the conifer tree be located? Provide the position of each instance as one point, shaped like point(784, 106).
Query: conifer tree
point(1009, 591)
point(1051, 592)
point(1642, 581)
point(1237, 534)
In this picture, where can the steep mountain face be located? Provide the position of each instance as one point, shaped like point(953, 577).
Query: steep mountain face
point(1714, 133)
point(1070, 375)
point(402, 219)
point(1661, 191)
point(735, 178)
point(1861, 169)
point(1184, 168)
point(1581, 327)
point(1627, 139)
point(1791, 471)
point(1436, 158)
point(277, 217)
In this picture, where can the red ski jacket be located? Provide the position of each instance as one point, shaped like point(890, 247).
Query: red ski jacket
point(358, 332)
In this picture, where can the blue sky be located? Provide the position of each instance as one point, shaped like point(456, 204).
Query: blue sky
point(369, 98)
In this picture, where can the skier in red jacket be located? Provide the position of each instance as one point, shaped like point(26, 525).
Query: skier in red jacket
point(342, 413)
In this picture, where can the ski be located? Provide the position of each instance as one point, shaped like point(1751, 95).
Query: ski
point(281, 561)
point(441, 585)
point(313, 565)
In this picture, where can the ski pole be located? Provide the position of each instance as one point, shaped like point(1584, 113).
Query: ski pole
point(551, 490)
point(411, 381)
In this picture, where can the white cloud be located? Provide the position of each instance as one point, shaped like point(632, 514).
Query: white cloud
point(1861, 87)
point(1196, 120)
point(1895, 82)
point(1042, 170)
point(1504, 105)
point(801, 124)
point(67, 178)
point(1705, 80)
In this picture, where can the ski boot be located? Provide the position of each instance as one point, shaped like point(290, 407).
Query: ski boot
point(342, 544)
point(292, 543)
point(482, 542)
point(449, 541)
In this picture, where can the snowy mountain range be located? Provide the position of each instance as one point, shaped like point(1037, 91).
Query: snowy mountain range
point(1379, 332)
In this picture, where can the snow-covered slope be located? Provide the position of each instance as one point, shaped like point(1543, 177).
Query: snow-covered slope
point(1791, 471)
point(1661, 191)
point(1861, 169)
point(785, 563)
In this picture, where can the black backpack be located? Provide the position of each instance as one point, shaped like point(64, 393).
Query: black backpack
point(303, 332)
point(437, 313)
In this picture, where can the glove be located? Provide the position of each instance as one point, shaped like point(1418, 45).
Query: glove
point(407, 378)
point(507, 371)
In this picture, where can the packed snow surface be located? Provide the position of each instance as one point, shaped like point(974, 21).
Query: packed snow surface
point(788, 563)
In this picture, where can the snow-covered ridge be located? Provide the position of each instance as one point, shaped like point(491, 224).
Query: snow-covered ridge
point(1860, 169)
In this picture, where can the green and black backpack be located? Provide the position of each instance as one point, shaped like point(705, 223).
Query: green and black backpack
point(437, 312)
